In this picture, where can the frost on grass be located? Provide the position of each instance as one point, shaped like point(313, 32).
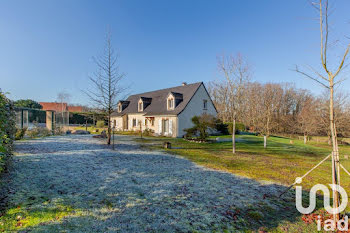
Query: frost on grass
point(130, 189)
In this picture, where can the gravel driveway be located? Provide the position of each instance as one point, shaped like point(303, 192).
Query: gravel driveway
point(131, 189)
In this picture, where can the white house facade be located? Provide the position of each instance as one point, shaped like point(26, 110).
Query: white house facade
point(165, 112)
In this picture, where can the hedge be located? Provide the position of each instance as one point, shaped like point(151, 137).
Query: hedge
point(7, 129)
point(7, 123)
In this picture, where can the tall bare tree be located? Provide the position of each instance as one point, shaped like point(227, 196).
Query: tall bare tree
point(63, 98)
point(237, 73)
point(329, 79)
point(106, 83)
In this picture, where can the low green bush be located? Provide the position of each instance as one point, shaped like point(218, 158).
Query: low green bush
point(100, 124)
point(201, 125)
point(148, 132)
point(221, 127)
point(20, 133)
point(239, 127)
point(39, 132)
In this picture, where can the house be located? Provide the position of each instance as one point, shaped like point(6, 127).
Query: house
point(60, 107)
point(166, 112)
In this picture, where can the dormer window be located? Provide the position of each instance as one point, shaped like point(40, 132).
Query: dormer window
point(122, 104)
point(171, 103)
point(173, 100)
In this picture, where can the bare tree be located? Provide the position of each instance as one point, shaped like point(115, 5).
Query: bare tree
point(106, 83)
point(307, 118)
point(329, 79)
point(63, 98)
point(237, 73)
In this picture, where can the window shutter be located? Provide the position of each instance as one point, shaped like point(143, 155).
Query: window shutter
point(160, 126)
point(170, 127)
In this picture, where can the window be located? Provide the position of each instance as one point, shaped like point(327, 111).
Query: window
point(119, 108)
point(115, 123)
point(166, 126)
point(145, 122)
point(134, 122)
point(152, 122)
point(171, 103)
point(205, 104)
point(140, 106)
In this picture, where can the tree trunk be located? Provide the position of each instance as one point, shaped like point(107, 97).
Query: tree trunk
point(109, 130)
point(335, 152)
point(305, 138)
point(234, 136)
point(265, 141)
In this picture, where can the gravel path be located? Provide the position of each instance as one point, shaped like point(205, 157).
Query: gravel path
point(130, 189)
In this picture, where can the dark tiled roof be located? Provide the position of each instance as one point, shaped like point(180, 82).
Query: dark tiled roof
point(158, 104)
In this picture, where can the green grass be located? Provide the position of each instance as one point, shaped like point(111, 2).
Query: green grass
point(280, 162)
point(27, 217)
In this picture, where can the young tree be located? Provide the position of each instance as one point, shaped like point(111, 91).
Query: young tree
point(329, 79)
point(237, 73)
point(106, 83)
point(63, 98)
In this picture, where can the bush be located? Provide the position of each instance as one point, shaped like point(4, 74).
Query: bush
point(239, 127)
point(100, 124)
point(20, 133)
point(221, 127)
point(7, 123)
point(38, 132)
point(201, 124)
point(148, 132)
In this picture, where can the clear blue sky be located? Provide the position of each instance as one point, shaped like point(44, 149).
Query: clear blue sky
point(46, 46)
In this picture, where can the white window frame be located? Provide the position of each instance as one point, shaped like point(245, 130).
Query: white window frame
point(171, 100)
point(140, 106)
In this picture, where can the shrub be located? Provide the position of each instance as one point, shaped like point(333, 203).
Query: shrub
point(239, 127)
point(39, 132)
point(148, 132)
point(201, 124)
point(221, 127)
point(20, 133)
point(7, 123)
point(100, 124)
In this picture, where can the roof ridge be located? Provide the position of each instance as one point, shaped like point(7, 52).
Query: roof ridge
point(165, 89)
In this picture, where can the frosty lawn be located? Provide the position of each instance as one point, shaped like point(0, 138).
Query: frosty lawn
point(77, 184)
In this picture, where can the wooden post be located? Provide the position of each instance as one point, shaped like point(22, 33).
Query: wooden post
point(113, 138)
